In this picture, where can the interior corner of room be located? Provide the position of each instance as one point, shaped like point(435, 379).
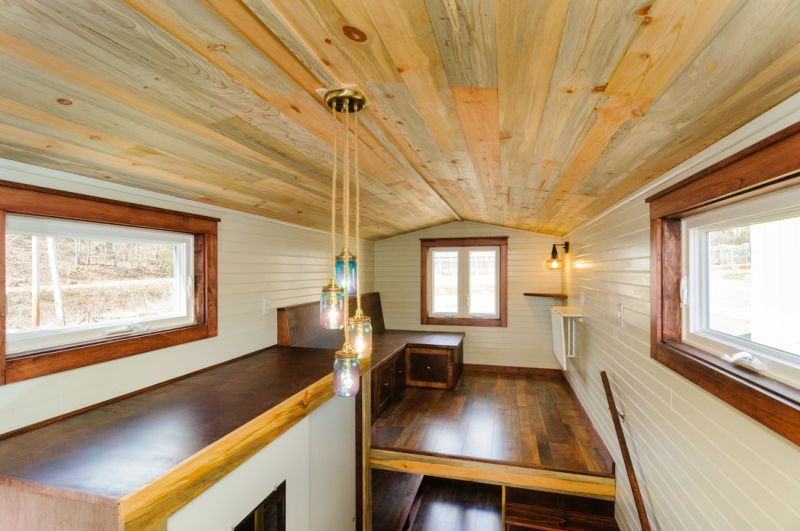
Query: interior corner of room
point(325, 265)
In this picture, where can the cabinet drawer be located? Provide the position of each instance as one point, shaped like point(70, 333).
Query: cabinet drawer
point(429, 367)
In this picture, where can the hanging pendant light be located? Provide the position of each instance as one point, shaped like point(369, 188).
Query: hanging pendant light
point(349, 280)
point(359, 326)
point(346, 369)
point(331, 303)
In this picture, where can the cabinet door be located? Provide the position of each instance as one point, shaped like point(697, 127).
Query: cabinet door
point(428, 367)
point(385, 381)
point(399, 376)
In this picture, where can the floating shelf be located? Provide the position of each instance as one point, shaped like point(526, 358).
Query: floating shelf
point(550, 295)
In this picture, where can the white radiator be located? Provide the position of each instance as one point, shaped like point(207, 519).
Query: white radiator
point(564, 321)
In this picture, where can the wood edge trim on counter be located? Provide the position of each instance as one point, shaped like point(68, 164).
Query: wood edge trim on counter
point(45, 422)
point(16, 198)
point(155, 502)
point(600, 487)
point(427, 243)
point(769, 165)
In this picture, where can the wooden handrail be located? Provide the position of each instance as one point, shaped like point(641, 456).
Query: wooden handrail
point(626, 456)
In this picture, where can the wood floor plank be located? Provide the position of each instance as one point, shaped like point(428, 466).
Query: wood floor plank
point(520, 419)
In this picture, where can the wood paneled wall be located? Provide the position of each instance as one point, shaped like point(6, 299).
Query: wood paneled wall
point(258, 259)
point(702, 464)
point(526, 342)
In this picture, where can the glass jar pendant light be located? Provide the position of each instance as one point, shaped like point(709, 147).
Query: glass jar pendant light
point(331, 307)
point(360, 332)
point(349, 280)
point(344, 268)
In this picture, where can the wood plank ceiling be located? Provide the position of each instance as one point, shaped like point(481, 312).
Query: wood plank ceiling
point(523, 113)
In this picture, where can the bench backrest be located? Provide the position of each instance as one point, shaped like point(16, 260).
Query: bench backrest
point(298, 325)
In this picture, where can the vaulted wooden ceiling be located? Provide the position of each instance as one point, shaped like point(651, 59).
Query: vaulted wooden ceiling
point(529, 114)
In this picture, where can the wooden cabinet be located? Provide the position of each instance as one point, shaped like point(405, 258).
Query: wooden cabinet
point(399, 376)
point(388, 383)
point(384, 383)
point(439, 368)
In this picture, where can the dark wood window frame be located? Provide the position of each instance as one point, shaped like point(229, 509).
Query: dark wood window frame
point(765, 167)
point(492, 241)
point(17, 198)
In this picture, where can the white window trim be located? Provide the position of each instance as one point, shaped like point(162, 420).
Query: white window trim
point(463, 283)
point(780, 365)
point(183, 278)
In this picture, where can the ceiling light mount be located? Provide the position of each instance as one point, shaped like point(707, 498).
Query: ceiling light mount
point(345, 99)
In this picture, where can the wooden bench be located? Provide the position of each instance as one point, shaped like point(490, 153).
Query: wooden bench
point(400, 358)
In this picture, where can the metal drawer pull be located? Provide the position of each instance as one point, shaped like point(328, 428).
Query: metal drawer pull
point(428, 367)
point(386, 384)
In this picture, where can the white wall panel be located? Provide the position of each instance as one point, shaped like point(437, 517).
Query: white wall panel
point(703, 465)
point(258, 259)
point(526, 342)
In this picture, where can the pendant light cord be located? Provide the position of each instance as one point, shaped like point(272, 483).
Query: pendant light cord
point(346, 217)
point(358, 218)
point(333, 194)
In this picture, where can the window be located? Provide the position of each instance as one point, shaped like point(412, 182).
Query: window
point(464, 281)
point(741, 288)
point(725, 296)
point(88, 280)
point(70, 282)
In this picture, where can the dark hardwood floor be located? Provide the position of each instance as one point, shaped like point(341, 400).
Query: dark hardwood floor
point(448, 505)
point(528, 420)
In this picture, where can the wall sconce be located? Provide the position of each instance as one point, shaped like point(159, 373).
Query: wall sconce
point(555, 262)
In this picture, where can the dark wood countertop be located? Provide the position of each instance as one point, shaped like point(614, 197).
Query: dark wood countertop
point(150, 453)
point(116, 449)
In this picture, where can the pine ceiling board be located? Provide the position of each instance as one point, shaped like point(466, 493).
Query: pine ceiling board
point(400, 107)
point(478, 111)
point(102, 119)
point(595, 36)
point(652, 61)
point(98, 87)
point(465, 33)
point(199, 27)
point(754, 64)
point(121, 46)
point(307, 23)
point(407, 35)
point(237, 101)
point(528, 39)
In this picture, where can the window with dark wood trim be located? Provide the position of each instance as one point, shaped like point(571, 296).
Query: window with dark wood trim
point(23, 200)
point(460, 248)
point(766, 167)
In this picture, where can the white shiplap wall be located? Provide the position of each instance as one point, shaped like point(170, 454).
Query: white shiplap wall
point(526, 342)
point(258, 259)
point(703, 464)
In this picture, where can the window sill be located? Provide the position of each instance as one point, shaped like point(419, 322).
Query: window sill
point(772, 403)
point(463, 321)
point(40, 363)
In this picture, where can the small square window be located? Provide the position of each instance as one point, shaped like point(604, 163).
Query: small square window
point(741, 285)
point(464, 281)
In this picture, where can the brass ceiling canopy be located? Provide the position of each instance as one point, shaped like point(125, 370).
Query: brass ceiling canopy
point(345, 98)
